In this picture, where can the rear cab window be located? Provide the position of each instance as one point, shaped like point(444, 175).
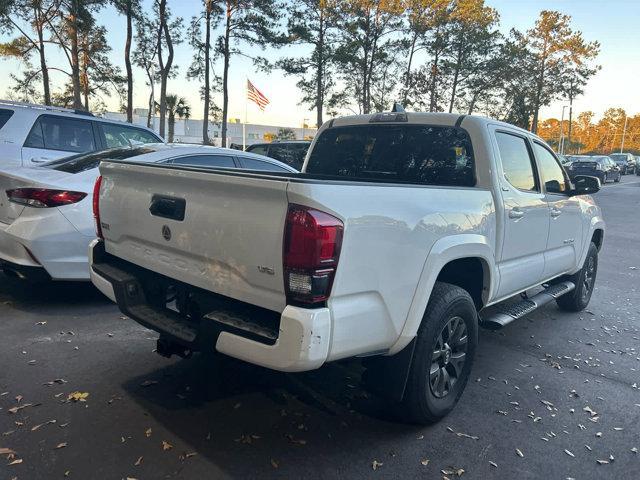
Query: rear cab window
point(416, 154)
point(5, 115)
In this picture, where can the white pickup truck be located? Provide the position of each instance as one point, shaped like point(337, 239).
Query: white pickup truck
point(401, 229)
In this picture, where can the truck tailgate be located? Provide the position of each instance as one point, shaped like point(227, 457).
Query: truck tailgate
point(229, 241)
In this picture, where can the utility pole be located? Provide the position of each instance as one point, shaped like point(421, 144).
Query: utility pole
point(561, 139)
point(624, 131)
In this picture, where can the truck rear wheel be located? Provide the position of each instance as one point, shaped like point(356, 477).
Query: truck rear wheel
point(585, 280)
point(443, 357)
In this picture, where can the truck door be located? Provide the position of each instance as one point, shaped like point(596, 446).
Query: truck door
point(565, 216)
point(526, 214)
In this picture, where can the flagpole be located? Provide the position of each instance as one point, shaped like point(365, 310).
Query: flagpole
point(244, 125)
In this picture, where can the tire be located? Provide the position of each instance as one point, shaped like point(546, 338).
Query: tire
point(450, 313)
point(584, 280)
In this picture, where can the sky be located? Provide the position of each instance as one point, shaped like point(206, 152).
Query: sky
point(613, 23)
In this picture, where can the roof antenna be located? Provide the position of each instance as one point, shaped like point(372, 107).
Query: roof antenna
point(397, 108)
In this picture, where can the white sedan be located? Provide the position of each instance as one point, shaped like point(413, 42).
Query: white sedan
point(46, 220)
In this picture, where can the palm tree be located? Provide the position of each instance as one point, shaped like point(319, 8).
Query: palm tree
point(176, 107)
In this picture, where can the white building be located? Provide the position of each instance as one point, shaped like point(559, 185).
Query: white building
point(190, 131)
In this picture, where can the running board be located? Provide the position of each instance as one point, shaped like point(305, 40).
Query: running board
point(519, 310)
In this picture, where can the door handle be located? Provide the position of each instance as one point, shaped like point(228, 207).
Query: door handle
point(516, 213)
point(555, 212)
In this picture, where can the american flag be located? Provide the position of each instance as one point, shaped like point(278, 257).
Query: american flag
point(256, 96)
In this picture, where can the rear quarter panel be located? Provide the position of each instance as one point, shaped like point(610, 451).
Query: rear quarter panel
point(389, 233)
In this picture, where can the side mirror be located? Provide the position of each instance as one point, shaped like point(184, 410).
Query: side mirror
point(585, 185)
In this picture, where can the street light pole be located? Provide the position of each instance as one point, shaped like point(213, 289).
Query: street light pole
point(624, 131)
point(561, 139)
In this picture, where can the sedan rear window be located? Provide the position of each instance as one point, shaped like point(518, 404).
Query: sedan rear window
point(84, 162)
point(5, 115)
point(417, 154)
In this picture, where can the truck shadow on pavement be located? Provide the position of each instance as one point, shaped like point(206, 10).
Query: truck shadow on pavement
point(223, 409)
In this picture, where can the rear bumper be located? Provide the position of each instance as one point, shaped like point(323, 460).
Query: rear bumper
point(301, 342)
point(47, 240)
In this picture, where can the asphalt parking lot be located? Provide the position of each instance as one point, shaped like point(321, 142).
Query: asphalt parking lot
point(554, 395)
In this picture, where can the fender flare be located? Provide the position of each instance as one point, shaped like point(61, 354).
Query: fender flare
point(597, 223)
point(444, 251)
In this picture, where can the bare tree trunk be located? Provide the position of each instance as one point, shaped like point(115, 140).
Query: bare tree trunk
point(207, 88)
point(43, 60)
point(456, 75)
point(127, 62)
point(75, 64)
point(84, 73)
point(151, 105)
point(172, 125)
point(407, 82)
point(165, 68)
point(225, 77)
point(320, 73)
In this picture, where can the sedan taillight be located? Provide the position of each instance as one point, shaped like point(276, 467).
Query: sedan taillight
point(44, 197)
point(312, 243)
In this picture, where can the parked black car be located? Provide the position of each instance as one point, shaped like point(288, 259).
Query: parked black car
point(638, 165)
point(626, 162)
point(599, 166)
point(291, 152)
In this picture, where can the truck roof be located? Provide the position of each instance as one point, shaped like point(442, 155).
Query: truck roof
point(427, 118)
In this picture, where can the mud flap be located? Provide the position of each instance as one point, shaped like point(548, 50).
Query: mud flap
point(387, 376)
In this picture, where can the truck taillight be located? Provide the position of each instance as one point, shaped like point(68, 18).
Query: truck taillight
point(44, 197)
point(96, 206)
point(312, 242)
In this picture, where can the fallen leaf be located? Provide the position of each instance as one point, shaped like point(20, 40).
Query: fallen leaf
point(17, 461)
point(274, 464)
point(519, 453)
point(78, 396)
point(147, 432)
point(17, 409)
point(148, 383)
point(36, 427)
point(139, 461)
point(6, 451)
point(602, 462)
point(569, 453)
point(458, 472)
point(60, 445)
point(376, 464)
point(589, 410)
point(166, 445)
point(41, 323)
point(493, 464)
point(424, 461)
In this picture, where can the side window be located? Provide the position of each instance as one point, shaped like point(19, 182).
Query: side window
point(253, 164)
point(122, 136)
point(258, 149)
point(223, 161)
point(61, 133)
point(35, 138)
point(552, 173)
point(517, 163)
point(5, 115)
